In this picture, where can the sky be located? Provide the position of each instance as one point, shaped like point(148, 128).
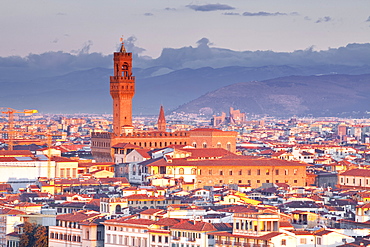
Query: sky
point(41, 26)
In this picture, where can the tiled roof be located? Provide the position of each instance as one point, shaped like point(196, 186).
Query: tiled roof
point(206, 129)
point(144, 153)
point(356, 172)
point(323, 232)
point(15, 153)
point(194, 226)
point(11, 211)
point(236, 160)
point(302, 232)
point(78, 216)
point(151, 211)
point(207, 152)
point(167, 222)
point(131, 221)
point(143, 197)
point(62, 159)
point(285, 224)
point(366, 205)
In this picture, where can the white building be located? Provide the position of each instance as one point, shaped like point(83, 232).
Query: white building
point(79, 229)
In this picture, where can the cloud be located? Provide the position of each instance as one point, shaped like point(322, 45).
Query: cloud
point(231, 13)
point(204, 42)
point(263, 13)
point(131, 47)
point(210, 7)
point(324, 19)
point(307, 18)
point(85, 48)
point(170, 9)
point(368, 19)
point(148, 14)
point(55, 41)
point(60, 13)
point(204, 56)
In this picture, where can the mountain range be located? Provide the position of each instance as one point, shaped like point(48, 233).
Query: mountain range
point(65, 83)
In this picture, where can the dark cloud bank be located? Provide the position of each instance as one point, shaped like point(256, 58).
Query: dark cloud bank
point(210, 7)
point(61, 82)
point(201, 55)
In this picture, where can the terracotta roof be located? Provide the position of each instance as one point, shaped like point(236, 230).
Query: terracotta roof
point(236, 160)
point(194, 226)
point(11, 211)
point(285, 224)
point(207, 152)
point(15, 153)
point(323, 232)
point(78, 216)
point(206, 129)
point(366, 205)
point(151, 211)
point(143, 197)
point(356, 172)
point(238, 209)
point(144, 153)
point(302, 232)
point(62, 159)
point(167, 222)
point(130, 221)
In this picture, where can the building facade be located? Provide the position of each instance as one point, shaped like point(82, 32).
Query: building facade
point(122, 90)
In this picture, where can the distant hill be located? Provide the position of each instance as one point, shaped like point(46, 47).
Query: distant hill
point(325, 95)
point(60, 82)
point(87, 91)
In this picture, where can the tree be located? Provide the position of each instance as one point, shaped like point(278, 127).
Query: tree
point(33, 236)
point(41, 236)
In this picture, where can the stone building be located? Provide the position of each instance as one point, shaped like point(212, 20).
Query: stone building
point(229, 169)
point(122, 90)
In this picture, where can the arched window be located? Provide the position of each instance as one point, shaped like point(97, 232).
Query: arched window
point(286, 172)
point(194, 144)
point(228, 146)
point(204, 145)
point(118, 209)
point(181, 171)
point(219, 145)
point(193, 171)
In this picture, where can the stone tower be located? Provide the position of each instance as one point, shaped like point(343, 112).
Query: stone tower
point(161, 124)
point(122, 90)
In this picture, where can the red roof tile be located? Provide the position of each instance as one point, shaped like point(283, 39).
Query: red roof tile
point(194, 226)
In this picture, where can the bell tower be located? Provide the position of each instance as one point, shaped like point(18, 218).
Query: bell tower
point(122, 90)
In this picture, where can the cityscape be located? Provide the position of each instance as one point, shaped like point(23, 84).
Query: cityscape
point(183, 179)
point(203, 146)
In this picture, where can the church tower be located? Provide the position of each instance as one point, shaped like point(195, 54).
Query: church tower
point(122, 90)
point(161, 124)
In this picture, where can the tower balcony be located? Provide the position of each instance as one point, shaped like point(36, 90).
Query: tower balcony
point(122, 78)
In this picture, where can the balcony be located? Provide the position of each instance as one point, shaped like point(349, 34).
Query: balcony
point(191, 239)
point(176, 238)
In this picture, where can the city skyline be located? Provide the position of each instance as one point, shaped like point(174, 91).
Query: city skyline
point(37, 27)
